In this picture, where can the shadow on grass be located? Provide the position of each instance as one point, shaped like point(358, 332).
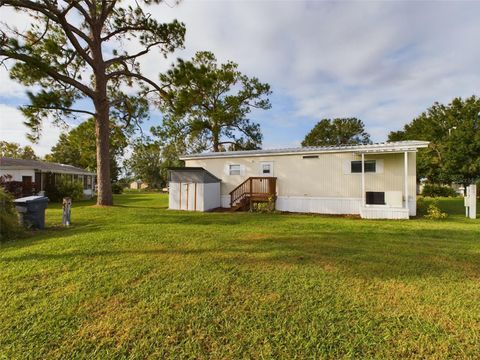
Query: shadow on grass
point(360, 258)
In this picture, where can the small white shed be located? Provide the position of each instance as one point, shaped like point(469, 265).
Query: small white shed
point(193, 189)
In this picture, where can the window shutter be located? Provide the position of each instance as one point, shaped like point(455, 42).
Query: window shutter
point(379, 169)
point(347, 167)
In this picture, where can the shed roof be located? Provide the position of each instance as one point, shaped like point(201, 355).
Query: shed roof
point(394, 146)
point(191, 174)
point(42, 166)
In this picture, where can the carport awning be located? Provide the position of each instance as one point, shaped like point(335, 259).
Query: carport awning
point(191, 175)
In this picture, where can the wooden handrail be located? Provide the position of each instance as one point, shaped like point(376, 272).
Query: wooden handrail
point(255, 185)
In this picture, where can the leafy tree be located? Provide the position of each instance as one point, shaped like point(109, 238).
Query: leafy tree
point(150, 161)
point(340, 131)
point(454, 134)
point(208, 104)
point(78, 147)
point(16, 151)
point(81, 49)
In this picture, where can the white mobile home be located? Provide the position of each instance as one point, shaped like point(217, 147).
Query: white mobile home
point(373, 181)
point(35, 176)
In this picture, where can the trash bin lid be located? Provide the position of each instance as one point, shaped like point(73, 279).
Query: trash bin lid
point(30, 199)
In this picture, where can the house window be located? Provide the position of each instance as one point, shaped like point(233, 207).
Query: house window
point(375, 198)
point(234, 169)
point(87, 182)
point(370, 166)
point(310, 156)
point(266, 169)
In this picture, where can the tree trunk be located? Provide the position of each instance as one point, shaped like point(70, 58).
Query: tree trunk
point(102, 120)
point(102, 132)
point(216, 141)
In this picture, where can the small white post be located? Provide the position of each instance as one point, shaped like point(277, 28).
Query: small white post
point(473, 205)
point(405, 154)
point(471, 202)
point(67, 208)
point(363, 181)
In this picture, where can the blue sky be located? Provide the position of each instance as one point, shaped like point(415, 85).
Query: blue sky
point(383, 62)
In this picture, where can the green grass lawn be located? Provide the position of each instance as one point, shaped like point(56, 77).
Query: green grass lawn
point(139, 281)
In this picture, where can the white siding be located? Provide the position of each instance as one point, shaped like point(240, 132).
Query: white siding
point(383, 212)
point(225, 201)
point(211, 196)
point(320, 205)
point(323, 177)
point(173, 196)
point(17, 174)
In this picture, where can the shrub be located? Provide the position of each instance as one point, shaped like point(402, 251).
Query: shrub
point(9, 225)
point(264, 207)
point(435, 190)
point(434, 212)
point(422, 205)
point(64, 188)
point(117, 188)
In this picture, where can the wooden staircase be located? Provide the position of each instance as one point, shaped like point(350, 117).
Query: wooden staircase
point(252, 191)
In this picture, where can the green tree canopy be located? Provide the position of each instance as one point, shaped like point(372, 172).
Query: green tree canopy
point(86, 49)
point(208, 104)
point(16, 151)
point(78, 147)
point(454, 134)
point(340, 131)
point(150, 160)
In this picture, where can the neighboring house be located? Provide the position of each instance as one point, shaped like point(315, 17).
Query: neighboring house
point(373, 181)
point(138, 185)
point(36, 175)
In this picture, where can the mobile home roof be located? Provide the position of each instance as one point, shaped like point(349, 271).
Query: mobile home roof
point(394, 146)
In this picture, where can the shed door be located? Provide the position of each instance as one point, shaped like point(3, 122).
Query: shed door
point(188, 196)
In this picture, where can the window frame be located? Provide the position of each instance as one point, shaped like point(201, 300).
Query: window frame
point(269, 172)
point(368, 169)
point(235, 172)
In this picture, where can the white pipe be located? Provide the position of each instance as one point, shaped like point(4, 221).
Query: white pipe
point(406, 179)
point(363, 181)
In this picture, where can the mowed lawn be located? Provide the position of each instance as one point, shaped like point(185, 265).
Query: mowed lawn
point(139, 281)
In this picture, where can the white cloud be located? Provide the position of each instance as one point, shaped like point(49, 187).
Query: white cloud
point(12, 129)
point(384, 62)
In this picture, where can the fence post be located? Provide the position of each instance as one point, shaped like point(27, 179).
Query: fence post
point(251, 193)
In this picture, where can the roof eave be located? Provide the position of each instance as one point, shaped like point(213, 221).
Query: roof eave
point(378, 149)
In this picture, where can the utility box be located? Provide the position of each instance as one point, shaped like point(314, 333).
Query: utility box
point(32, 211)
point(471, 202)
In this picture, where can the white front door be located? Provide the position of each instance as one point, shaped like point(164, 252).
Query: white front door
point(266, 168)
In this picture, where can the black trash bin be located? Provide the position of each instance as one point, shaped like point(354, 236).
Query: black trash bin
point(32, 211)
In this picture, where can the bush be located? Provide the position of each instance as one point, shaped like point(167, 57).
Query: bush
point(435, 190)
point(434, 212)
point(64, 188)
point(422, 205)
point(117, 188)
point(9, 225)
